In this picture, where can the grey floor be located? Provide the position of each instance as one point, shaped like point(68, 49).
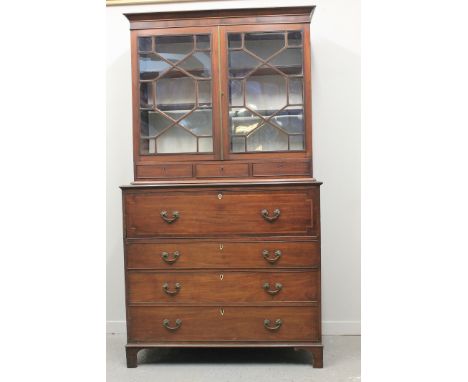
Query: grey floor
point(342, 362)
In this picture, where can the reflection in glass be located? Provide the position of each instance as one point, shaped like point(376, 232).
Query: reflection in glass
point(203, 42)
point(289, 61)
point(198, 122)
point(237, 144)
point(296, 91)
point(146, 95)
point(205, 145)
point(157, 123)
point(243, 121)
point(290, 119)
point(295, 38)
point(198, 64)
point(267, 138)
point(151, 66)
point(145, 44)
point(241, 63)
point(236, 93)
point(176, 140)
point(296, 142)
point(264, 44)
point(204, 93)
point(265, 94)
point(173, 48)
point(175, 92)
point(234, 40)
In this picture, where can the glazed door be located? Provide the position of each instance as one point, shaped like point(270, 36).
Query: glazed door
point(265, 75)
point(177, 94)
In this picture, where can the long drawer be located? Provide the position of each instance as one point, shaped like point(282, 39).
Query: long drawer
point(225, 212)
point(222, 286)
point(201, 323)
point(222, 254)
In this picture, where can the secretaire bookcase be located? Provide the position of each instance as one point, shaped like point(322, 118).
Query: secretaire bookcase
point(222, 221)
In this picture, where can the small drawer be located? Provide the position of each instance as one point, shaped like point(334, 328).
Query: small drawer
point(164, 171)
point(281, 168)
point(180, 254)
point(222, 170)
point(222, 286)
point(228, 323)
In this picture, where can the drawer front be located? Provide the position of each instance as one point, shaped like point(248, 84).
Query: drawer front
point(177, 255)
point(222, 170)
point(222, 287)
point(167, 324)
point(281, 168)
point(164, 171)
point(176, 213)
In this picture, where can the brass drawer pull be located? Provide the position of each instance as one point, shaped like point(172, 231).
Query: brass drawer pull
point(267, 217)
point(175, 216)
point(171, 292)
point(165, 257)
point(278, 324)
point(271, 260)
point(278, 287)
point(178, 322)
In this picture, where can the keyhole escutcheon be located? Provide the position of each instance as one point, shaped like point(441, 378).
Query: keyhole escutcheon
point(221, 277)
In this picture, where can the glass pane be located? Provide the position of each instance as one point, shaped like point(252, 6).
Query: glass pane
point(236, 93)
point(203, 42)
point(289, 61)
point(267, 138)
point(146, 95)
point(145, 44)
point(176, 140)
point(295, 38)
point(151, 66)
point(205, 145)
point(241, 63)
point(295, 91)
point(243, 121)
point(144, 147)
point(234, 40)
point(264, 44)
point(144, 124)
point(175, 91)
point(296, 142)
point(174, 48)
point(198, 122)
point(265, 93)
point(290, 120)
point(156, 123)
point(204, 93)
point(266, 98)
point(198, 64)
point(238, 144)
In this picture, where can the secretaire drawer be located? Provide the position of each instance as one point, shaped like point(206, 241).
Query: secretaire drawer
point(268, 323)
point(191, 213)
point(222, 286)
point(179, 254)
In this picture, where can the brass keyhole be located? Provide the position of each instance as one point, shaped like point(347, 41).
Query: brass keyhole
point(220, 196)
point(221, 246)
point(221, 277)
point(221, 310)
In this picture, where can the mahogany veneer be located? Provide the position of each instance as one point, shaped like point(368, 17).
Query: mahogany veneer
point(222, 247)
